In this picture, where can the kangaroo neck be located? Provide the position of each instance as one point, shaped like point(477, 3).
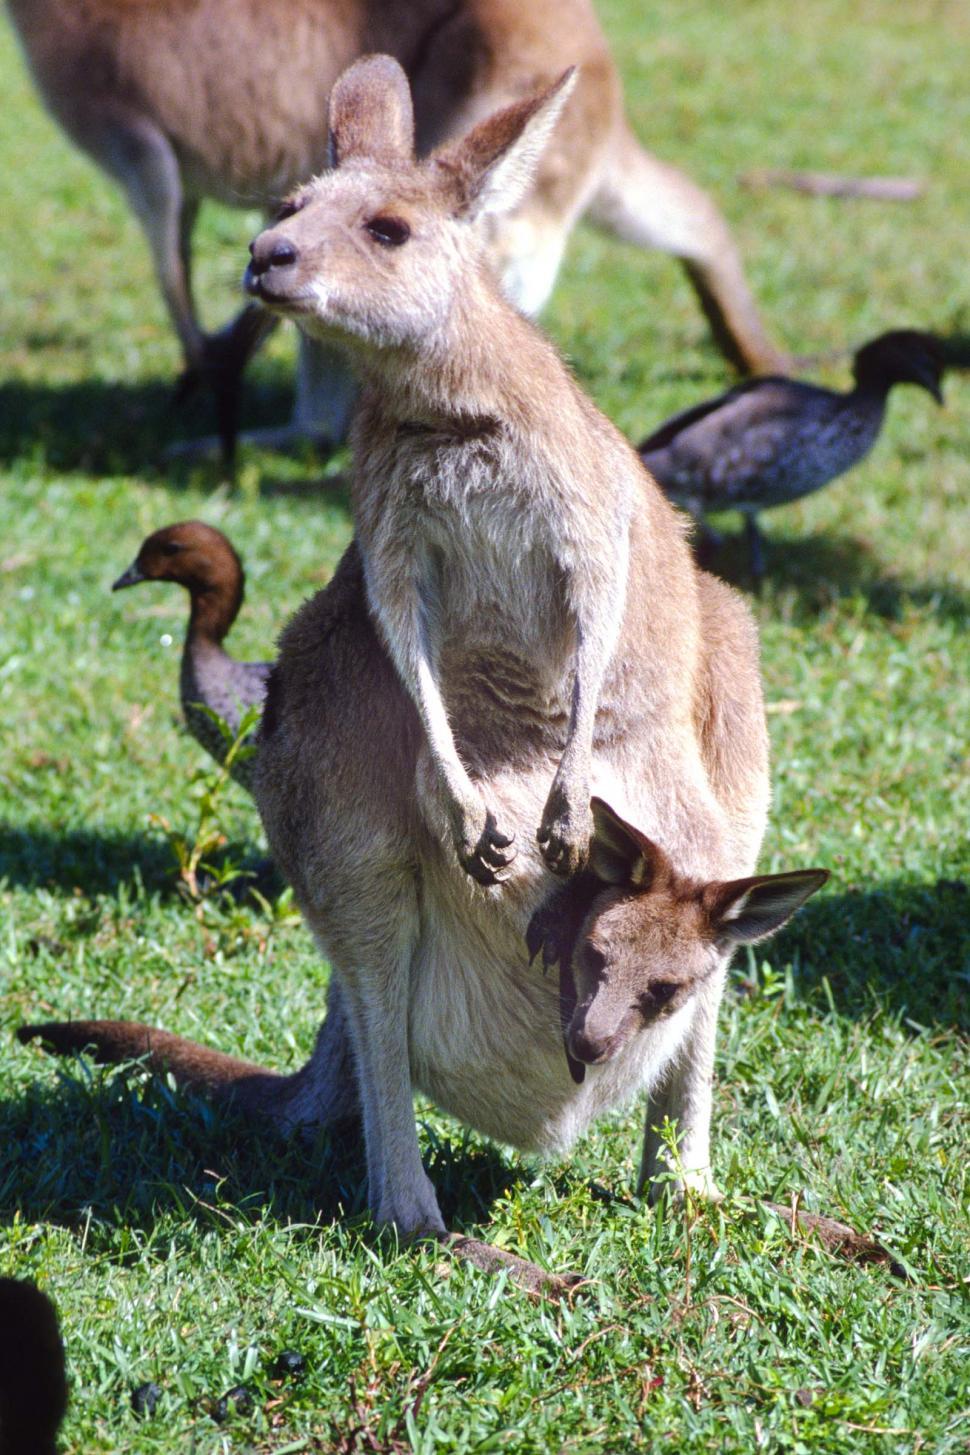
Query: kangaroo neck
point(488, 366)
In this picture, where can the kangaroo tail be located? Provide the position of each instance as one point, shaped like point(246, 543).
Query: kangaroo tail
point(212, 1072)
point(652, 204)
point(321, 1093)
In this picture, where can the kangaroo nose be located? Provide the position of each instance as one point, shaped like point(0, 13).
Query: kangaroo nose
point(588, 1049)
point(269, 252)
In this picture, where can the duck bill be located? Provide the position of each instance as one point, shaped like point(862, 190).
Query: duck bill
point(131, 577)
point(929, 377)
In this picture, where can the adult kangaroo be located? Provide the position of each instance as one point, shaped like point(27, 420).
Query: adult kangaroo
point(517, 651)
point(224, 99)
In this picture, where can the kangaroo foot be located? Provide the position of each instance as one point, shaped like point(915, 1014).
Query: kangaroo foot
point(535, 1280)
point(219, 371)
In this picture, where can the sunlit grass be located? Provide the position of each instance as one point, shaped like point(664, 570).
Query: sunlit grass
point(187, 1249)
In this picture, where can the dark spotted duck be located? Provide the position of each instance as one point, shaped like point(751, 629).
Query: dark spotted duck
point(771, 440)
point(201, 559)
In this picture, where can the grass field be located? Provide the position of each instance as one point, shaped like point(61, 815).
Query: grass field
point(183, 1248)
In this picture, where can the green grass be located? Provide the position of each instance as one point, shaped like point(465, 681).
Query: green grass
point(186, 1248)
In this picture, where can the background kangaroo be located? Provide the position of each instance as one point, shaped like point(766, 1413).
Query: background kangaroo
point(222, 99)
point(467, 406)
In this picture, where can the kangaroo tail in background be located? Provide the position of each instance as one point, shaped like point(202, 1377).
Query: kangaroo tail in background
point(650, 203)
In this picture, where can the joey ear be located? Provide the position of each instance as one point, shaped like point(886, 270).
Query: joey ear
point(493, 166)
point(621, 854)
point(745, 910)
point(370, 112)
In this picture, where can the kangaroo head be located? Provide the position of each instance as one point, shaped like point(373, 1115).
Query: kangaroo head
point(636, 939)
point(377, 252)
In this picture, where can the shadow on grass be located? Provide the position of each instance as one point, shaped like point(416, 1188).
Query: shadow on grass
point(903, 947)
point(822, 570)
point(119, 428)
point(95, 861)
point(100, 862)
point(123, 1147)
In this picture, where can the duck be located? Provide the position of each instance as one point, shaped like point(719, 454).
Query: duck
point(772, 439)
point(205, 562)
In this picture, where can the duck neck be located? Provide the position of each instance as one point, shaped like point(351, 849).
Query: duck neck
point(214, 609)
point(871, 389)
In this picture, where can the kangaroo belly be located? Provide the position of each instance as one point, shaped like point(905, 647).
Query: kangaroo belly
point(486, 1043)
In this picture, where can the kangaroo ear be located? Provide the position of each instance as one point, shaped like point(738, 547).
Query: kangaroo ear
point(493, 166)
point(371, 113)
point(745, 910)
point(621, 854)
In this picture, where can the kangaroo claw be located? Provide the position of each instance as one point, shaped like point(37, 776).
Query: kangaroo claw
point(489, 861)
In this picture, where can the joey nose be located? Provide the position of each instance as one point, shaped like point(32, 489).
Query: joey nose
point(589, 1049)
point(269, 252)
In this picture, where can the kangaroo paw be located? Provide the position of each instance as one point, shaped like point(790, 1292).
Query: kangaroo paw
point(488, 862)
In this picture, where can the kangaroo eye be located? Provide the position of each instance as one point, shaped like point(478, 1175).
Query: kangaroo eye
point(390, 232)
point(289, 208)
point(594, 959)
point(663, 990)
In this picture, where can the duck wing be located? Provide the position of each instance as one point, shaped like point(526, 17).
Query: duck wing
point(677, 423)
point(756, 445)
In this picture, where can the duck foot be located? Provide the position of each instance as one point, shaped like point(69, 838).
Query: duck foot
point(756, 552)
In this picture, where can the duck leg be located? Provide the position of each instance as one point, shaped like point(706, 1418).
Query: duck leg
point(705, 540)
point(756, 549)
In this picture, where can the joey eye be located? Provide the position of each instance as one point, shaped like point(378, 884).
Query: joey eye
point(594, 960)
point(289, 208)
point(662, 991)
point(390, 232)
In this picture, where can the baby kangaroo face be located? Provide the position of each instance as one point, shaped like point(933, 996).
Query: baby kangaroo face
point(636, 940)
point(376, 250)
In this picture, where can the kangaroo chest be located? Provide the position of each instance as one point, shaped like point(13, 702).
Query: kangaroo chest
point(455, 534)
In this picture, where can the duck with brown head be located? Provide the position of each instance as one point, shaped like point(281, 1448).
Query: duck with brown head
point(204, 561)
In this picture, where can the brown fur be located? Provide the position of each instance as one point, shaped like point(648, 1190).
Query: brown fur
point(520, 605)
point(227, 99)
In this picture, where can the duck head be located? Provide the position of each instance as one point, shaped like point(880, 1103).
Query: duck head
point(194, 554)
point(636, 940)
point(904, 356)
point(198, 557)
